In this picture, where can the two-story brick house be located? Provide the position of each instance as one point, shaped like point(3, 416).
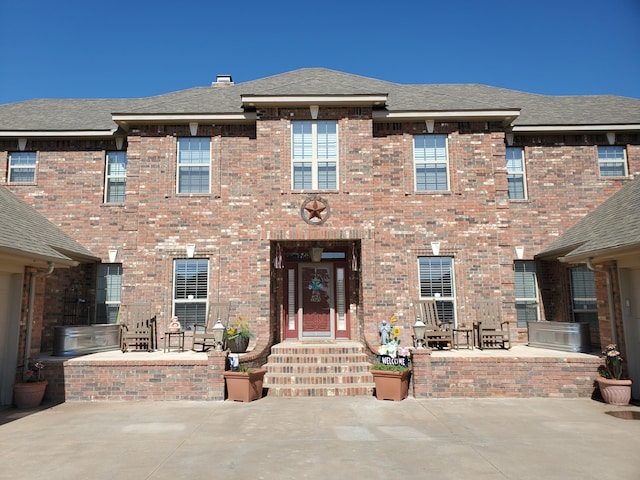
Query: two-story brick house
point(227, 193)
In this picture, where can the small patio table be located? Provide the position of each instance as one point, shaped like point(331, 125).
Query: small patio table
point(168, 345)
point(467, 336)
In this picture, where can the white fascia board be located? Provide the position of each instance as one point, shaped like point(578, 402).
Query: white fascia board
point(376, 99)
point(447, 115)
point(574, 128)
point(185, 117)
point(60, 133)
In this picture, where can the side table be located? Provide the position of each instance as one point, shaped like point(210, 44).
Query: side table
point(168, 345)
point(464, 333)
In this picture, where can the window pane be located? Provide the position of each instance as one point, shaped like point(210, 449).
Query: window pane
point(194, 157)
point(193, 150)
point(436, 282)
point(194, 180)
point(22, 167)
point(302, 176)
point(327, 140)
point(431, 177)
point(611, 160)
point(516, 186)
point(302, 140)
point(583, 290)
point(116, 189)
point(108, 292)
point(526, 291)
point(190, 314)
point(430, 158)
point(326, 175)
point(191, 279)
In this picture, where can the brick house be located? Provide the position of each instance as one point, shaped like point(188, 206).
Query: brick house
point(227, 193)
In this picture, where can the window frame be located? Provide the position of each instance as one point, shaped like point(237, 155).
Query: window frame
point(314, 161)
point(202, 291)
point(526, 301)
point(181, 164)
point(442, 301)
point(111, 179)
point(604, 160)
point(522, 173)
point(15, 168)
point(108, 292)
point(426, 162)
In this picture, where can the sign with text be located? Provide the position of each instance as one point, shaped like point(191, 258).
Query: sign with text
point(387, 360)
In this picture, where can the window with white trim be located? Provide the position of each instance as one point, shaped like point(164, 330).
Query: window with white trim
point(190, 291)
point(516, 178)
point(115, 177)
point(526, 289)
point(612, 161)
point(194, 164)
point(431, 162)
point(108, 292)
point(437, 283)
point(22, 167)
point(314, 155)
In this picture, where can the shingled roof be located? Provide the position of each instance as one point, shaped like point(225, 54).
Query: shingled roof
point(26, 233)
point(535, 110)
point(612, 227)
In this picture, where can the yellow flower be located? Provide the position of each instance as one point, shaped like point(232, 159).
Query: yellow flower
point(396, 331)
point(393, 319)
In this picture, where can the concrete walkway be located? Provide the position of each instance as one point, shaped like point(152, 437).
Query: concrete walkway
point(324, 438)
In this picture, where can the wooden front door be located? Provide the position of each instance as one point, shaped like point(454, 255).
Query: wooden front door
point(316, 299)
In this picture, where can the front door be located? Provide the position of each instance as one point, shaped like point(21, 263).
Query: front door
point(316, 301)
point(316, 293)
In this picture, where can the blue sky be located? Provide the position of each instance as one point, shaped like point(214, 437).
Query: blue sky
point(124, 49)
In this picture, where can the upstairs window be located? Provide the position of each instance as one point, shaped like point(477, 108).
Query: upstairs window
point(612, 161)
point(194, 164)
point(315, 155)
point(116, 177)
point(431, 162)
point(436, 283)
point(515, 173)
point(190, 291)
point(22, 167)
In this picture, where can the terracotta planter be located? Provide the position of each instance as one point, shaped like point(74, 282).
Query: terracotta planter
point(29, 394)
point(391, 385)
point(238, 344)
point(244, 386)
point(615, 392)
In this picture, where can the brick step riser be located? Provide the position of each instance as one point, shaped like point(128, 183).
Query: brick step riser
point(318, 359)
point(306, 391)
point(316, 351)
point(307, 368)
point(286, 379)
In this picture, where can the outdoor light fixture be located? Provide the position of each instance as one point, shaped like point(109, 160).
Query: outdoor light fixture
point(315, 253)
point(218, 335)
point(419, 331)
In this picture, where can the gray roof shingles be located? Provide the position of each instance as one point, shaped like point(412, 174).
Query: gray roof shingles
point(612, 225)
point(26, 231)
point(73, 114)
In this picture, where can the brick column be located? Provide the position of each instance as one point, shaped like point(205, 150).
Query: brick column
point(421, 360)
point(217, 362)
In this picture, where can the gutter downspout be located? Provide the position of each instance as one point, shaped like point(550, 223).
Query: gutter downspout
point(32, 294)
point(612, 310)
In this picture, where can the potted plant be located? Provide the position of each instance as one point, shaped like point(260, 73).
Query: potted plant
point(244, 384)
point(614, 389)
point(30, 392)
point(392, 372)
point(237, 335)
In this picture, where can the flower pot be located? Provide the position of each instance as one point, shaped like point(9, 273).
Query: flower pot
point(615, 392)
point(238, 344)
point(29, 394)
point(391, 385)
point(244, 386)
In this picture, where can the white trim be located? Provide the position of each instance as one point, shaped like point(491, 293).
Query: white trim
point(57, 133)
point(453, 114)
point(574, 128)
point(185, 117)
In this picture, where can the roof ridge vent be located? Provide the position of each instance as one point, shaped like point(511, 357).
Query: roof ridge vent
point(223, 80)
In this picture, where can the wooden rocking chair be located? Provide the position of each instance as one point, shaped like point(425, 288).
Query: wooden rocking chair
point(491, 331)
point(203, 337)
point(436, 335)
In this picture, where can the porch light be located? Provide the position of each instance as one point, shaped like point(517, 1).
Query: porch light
point(218, 335)
point(315, 253)
point(419, 330)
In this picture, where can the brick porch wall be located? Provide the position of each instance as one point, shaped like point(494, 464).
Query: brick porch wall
point(447, 377)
